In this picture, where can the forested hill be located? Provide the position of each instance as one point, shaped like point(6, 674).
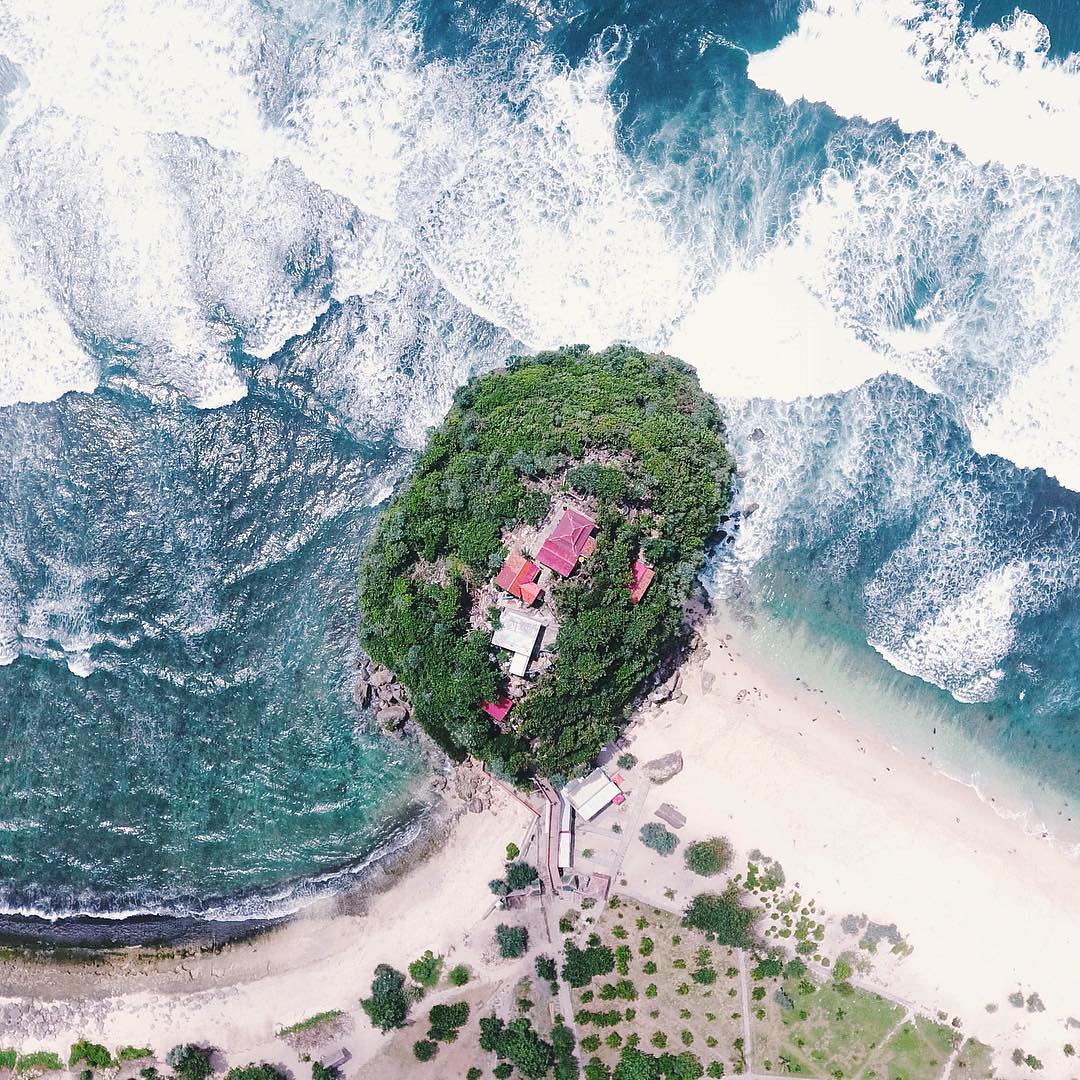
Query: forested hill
point(633, 441)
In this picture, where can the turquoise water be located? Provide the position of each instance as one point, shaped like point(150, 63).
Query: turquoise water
point(252, 250)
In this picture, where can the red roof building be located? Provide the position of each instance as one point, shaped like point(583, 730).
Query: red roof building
point(570, 540)
point(517, 577)
point(497, 710)
point(642, 577)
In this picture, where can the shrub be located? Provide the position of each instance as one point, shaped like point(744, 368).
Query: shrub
point(189, 1062)
point(706, 976)
point(626, 761)
point(308, 1024)
point(512, 941)
point(458, 976)
point(708, 857)
point(319, 1071)
point(591, 1043)
point(772, 969)
point(262, 1071)
point(133, 1053)
point(512, 852)
point(646, 946)
point(661, 840)
point(723, 916)
point(424, 1049)
point(842, 970)
point(498, 886)
point(474, 1073)
point(94, 1054)
point(622, 959)
point(503, 1071)
point(794, 969)
point(715, 1070)
point(426, 970)
point(659, 1040)
point(39, 1061)
point(649, 967)
point(388, 1005)
point(520, 875)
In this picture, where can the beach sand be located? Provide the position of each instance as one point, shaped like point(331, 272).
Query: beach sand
point(859, 826)
point(235, 998)
point(865, 829)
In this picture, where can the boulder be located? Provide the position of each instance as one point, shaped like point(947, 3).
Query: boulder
point(476, 806)
point(381, 677)
point(361, 693)
point(392, 715)
point(663, 768)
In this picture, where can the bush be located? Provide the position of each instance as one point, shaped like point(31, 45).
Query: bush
point(626, 761)
point(503, 1071)
point(474, 1073)
point(723, 916)
point(94, 1054)
point(39, 1061)
point(708, 857)
point(319, 1071)
point(512, 852)
point(499, 887)
point(458, 975)
point(646, 946)
point(661, 840)
point(261, 1071)
point(388, 1005)
point(520, 875)
point(706, 976)
point(426, 970)
point(424, 1049)
point(86, 1074)
point(512, 941)
point(190, 1062)
point(133, 1053)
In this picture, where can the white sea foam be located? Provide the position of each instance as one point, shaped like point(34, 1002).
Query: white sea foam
point(993, 91)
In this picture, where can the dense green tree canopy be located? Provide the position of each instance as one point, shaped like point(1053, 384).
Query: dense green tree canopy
point(635, 435)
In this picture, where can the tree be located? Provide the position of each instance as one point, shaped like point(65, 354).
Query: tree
point(190, 1062)
point(445, 1020)
point(424, 1049)
point(723, 916)
point(661, 840)
point(388, 1005)
point(319, 1071)
point(512, 940)
point(580, 966)
point(708, 857)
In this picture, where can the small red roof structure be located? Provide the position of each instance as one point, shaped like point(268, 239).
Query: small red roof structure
point(642, 578)
point(568, 541)
point(517, 576)
point(497, 710)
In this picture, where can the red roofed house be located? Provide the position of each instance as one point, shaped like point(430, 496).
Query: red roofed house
point(643, 574)
point(497, 710)
point(568, 541)
point(517, 577)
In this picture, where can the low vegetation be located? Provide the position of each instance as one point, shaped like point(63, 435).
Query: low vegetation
point(709, 857)
point(190, 1062)
point(310, 1024)
point(656, 836)
point(632, 434)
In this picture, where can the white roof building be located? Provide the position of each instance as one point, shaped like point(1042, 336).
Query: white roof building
point(519, 633)
point(589, 795)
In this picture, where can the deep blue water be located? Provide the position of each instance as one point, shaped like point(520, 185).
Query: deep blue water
point(241, 289)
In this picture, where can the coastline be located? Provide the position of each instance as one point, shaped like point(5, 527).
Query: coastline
point(868, 829)
point(862, 826)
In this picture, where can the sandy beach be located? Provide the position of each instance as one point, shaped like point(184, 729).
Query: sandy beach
point(858, 826)
point(237, 997)
point(868, 830)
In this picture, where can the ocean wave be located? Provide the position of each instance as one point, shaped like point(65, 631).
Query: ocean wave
point(993, 91)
